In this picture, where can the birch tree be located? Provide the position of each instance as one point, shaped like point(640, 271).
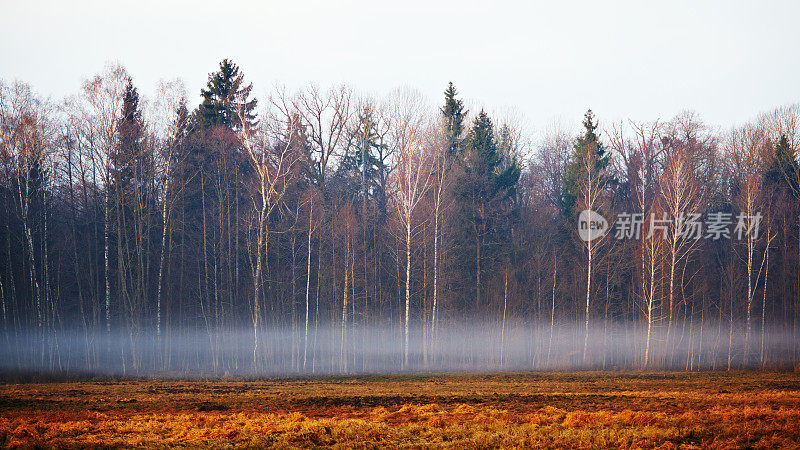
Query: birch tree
point(412, 180)
point(273, 162)
point(641, 156)
point(24, 141)
point(585, 184)
point(99, 111)
point(745, 150)
point(681, 199)
point(172, 117)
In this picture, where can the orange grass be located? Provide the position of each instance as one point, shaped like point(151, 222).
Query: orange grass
point(577, 410)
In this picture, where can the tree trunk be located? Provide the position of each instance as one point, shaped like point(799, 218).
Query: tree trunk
point(764, 297)
point(477, 271)
point(503, 325)
point(435, 305)
point(553, 309)
point(308, 284)
point(588, 298)
point(673, 255)
point(408, 291)
point(650, 304)
point(106, 268)
point(730, 334)
point(750, 246)
point(162, 256)
point(316, 302)
point(342, 354)
point(257, 282)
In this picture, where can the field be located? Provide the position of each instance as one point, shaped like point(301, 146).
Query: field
point(579, 410)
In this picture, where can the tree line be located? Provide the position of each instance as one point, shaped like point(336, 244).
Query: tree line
point(324, 213)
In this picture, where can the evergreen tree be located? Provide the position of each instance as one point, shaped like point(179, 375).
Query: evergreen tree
point(181, 122)
point(361, 163)
point(485, 158)
point(130, 162)
point(576, 169)
point(180, 131)
point(211, 146)
point(213, 183)
point(454, 114)
point(225, 94)
point(483, 190)
point(784, 167)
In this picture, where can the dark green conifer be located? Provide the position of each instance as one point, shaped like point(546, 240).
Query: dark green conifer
point(454, 115)
point(576, 168)
point(225, 94)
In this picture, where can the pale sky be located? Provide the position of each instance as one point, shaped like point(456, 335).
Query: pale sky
point(727, 60)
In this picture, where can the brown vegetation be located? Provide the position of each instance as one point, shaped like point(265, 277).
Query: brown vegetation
point(579, 410)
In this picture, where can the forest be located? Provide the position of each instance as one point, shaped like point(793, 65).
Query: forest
point(325, 230)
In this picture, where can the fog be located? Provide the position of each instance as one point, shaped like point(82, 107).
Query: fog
point(464, 347)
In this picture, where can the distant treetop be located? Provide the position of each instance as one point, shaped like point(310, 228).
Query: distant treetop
point(226, 93)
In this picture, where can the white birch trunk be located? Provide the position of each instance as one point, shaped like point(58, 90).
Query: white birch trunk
point(764, 297)
point(408, 291)
point(503, 326)
point(163, 254)
point(308, 284)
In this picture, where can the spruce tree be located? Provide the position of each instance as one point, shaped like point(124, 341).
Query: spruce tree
point(500, 171)
point(784, 166)
point(128, 159)
point(481, 142)
point(576, 168)
point(224, 95)
point(454, 114)
point(361, 163)
point(484, 187)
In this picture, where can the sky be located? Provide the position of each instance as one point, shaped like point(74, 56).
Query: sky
point(640, 60)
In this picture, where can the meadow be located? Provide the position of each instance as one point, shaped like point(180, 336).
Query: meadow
point(522, 410)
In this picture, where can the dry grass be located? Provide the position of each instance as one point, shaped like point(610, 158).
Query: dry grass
point(577, 410)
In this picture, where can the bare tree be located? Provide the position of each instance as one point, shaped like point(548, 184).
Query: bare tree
point(745, 149)
point(169, 101)
point(591, 183)
point(681, 200)
point(441, 177)
point(25, 132)
point(97, 113)
point(641, 159)
point(412, 180)
point(272, 162)
point(311, 228)
point(785, 122)
point(326, 116)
